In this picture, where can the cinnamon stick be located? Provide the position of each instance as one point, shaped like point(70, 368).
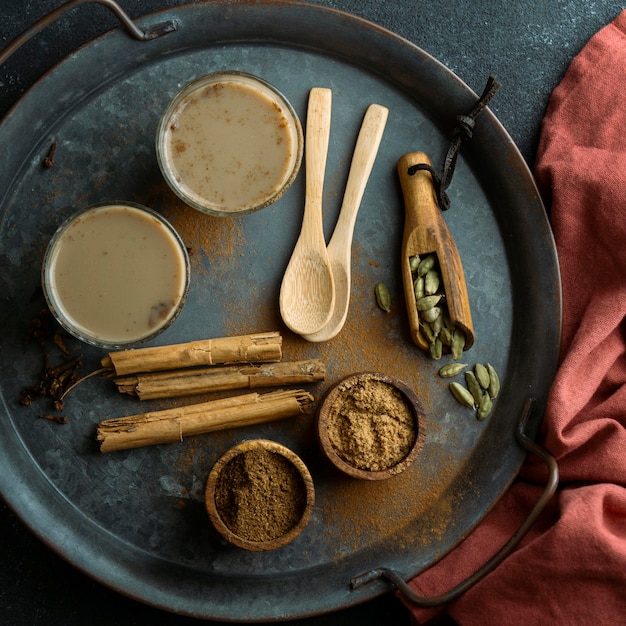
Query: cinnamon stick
point(172, 425)
point(219, 351)
point(173, 384)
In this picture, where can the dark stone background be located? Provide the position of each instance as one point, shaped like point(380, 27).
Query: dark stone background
point(526, 45)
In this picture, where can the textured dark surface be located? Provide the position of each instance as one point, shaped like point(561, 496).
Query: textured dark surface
point(528, 49)
point(527, 46)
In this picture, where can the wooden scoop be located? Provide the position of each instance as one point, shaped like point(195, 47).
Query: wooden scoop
point(307, 293)
point(425, 232)
point(340, 245)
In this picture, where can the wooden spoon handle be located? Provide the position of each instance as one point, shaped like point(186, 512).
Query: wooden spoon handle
point(316, 151)
point(363, 159)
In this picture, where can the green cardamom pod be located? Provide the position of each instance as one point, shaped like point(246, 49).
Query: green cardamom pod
point(494, 382)
point(427, 331)
point(427, 302)
point(458, 343)
point(462, 395)
point(474, 387)
point(451, 370)
point(414, 262)
point(437, 325)
point(431, 282)
point(418, 287)
point(431, 315)
point(383, 297)
point(484, 407)
point(445, 334)
point(436, 349)
point(482, 375)
point(448, 323)
point(426, 264)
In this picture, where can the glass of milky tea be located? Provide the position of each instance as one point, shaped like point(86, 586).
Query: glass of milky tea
point(229, 144)
point(115, 274)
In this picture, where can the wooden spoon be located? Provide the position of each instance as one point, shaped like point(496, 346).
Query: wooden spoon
point(425, 232)
point(307, 293)
point(340, 246)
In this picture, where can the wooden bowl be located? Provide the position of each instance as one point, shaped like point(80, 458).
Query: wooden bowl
point(251, 511)
point(355, 433)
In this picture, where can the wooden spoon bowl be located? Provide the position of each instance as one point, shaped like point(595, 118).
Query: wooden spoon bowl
point(307, 293)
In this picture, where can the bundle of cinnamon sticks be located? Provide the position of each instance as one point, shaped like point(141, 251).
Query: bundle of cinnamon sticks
point(198, 367)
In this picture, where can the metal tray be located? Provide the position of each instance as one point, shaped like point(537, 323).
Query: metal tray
point(135, 520)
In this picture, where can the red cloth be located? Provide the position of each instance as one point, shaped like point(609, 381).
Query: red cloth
point(571, 567)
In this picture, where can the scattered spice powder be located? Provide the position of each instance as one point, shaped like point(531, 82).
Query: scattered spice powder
point(204, 234)
point(260, 495)
point(356, 513)
point(370, 424)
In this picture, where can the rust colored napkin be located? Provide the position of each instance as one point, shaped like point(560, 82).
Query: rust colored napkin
point(571, 567)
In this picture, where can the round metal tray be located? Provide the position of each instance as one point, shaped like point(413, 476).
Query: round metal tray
point(135, 520)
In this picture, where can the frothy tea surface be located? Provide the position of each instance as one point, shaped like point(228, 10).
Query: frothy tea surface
point(117, 273)
point(229, 146)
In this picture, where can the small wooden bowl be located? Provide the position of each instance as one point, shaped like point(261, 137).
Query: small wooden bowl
point(214, 498)
point(336, 396)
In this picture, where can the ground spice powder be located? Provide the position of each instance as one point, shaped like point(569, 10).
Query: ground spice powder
point(370, 424)
point(260, 495)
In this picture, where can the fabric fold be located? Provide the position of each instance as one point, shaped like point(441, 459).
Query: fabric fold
point(571, 567)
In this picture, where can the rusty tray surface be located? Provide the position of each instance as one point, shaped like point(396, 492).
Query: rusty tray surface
point(135, 520)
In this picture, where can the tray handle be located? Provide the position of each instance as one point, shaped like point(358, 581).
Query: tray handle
point(422, 601)
point(148, 34)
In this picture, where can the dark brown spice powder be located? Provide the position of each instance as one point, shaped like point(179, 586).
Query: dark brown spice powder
point(260, 495)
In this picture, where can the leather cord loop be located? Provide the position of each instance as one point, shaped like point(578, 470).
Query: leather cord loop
point(463, 130)
point(442, 197)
